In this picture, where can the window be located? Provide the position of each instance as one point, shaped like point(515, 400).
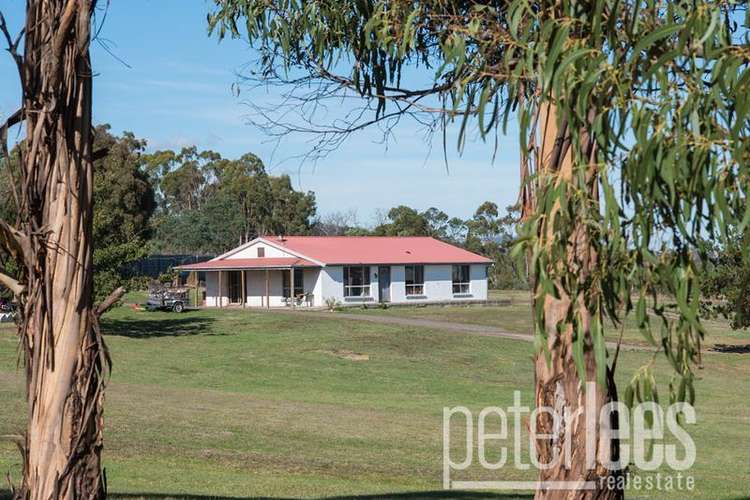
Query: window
point(357, 281)
point(414, 280)
point(299, 285)
point(461, 280)
point(261, 252)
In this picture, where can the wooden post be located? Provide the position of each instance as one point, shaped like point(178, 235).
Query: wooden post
point(268, 302)
point(221, 296)
point(291, 287)
point(194, 282)
point(244, 289)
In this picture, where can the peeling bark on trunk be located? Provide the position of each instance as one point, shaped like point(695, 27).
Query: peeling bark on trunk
point(64, 353)
point(558, 385)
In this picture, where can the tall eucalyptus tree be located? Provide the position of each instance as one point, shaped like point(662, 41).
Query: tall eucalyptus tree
point(633, 127)
point(63, 351)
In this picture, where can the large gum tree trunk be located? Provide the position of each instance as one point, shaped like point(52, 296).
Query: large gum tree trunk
point(64, 353)
point(574, 422)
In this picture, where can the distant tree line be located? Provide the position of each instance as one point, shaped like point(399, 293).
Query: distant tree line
point(207, 204)
point(725, 284)
point(186, 201)
point(199, 203)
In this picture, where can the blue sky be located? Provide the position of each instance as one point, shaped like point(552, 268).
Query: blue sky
point(177, 92)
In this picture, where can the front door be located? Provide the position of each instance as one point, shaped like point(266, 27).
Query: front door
point(384, 283)
point(235, 287)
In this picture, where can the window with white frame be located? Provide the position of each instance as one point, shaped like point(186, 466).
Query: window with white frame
point(356, 281)
point(461, 280)
point(414, 278)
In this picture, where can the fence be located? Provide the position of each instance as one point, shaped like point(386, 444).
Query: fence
point(154, 266)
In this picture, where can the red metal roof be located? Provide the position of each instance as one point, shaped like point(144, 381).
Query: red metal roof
point(262, 263)
point(377, 250)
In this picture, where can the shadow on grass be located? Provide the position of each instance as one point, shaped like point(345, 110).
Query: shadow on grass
point(730, 348)
point(177, 326)
point(412, 495)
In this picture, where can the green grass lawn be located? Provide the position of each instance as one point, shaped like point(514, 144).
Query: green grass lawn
point(239, 403)
point(516, 318)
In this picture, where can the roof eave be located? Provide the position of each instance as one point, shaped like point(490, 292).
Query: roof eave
point(247, 268)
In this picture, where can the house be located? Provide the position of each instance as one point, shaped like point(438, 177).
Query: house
point(277, 271)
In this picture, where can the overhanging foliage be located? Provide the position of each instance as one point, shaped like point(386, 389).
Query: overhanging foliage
point(650, 98)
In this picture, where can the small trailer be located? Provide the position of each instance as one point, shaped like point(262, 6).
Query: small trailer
point(167, 299)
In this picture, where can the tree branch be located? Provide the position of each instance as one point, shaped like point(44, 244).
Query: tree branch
point(12, 284)
point(12, 120)
point(13, 45)
point(15, 242)
point(66, 20)
point(109, 301)
point(59, 38)
point(99, 154)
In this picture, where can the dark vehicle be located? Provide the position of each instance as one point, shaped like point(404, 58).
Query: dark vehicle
point(167, 300)
point(7, 306)
point(7, 311)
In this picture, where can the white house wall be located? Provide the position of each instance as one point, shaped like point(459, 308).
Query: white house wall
point(398, 284)
point(213, 297)
point(438, 285)
point(478, 276)
point(255, 285)
point(251, 252)
point(311, 279)
point(212, 289)
point(374, 287)
point(331, 283)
